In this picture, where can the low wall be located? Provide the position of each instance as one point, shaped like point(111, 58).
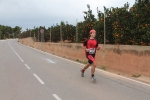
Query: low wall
point(123, 59)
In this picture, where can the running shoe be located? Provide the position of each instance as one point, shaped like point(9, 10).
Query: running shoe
point(93, 78)
point(82, 73)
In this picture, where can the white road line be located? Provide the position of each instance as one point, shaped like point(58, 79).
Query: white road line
point(16, 53)
point(112, 74)
point(39, 79)
point(50, 61)
point(27, 66)
point(57, 97)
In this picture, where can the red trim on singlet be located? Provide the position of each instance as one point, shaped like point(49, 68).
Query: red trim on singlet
point(91, 58)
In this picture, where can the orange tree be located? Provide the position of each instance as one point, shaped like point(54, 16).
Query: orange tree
point(81, 32)
point(68, 32)
point(118, 25)
point(55, 33)
point(141, 22)
point(117, 22)
point(85, 26)
point(99, 27)
point(124, 26)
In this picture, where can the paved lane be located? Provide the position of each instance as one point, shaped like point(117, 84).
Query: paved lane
point(16, 81)
point(42, 76)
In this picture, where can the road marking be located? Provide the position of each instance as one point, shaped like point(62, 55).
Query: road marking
point(16, 53)
point(105, 72)
point(50, 61)
point(27, 66)
point(2, 40)
point(57, 97)
point(39, 79)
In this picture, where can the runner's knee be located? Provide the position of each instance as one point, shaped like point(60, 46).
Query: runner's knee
point(94, 64)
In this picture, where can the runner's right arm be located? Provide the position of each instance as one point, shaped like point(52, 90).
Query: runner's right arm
point(85, 46)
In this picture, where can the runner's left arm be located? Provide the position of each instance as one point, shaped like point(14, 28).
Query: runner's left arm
point(97, 46)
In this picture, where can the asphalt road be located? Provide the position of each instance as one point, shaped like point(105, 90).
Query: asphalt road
point(30, 74)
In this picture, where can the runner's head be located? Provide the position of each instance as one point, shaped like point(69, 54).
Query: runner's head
point(92, 33)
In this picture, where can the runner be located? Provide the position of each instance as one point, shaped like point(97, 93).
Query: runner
point(90, 46)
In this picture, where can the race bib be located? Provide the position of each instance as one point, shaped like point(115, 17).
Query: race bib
point(92, 51)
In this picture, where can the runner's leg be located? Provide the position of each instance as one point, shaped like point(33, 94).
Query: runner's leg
point(93, 64)
point(86, 66)
point(93, 71)
point(93, 68)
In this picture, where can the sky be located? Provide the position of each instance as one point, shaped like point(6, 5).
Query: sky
point(35, 13)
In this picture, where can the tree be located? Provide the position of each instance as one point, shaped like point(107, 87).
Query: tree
point(88, 24)
point(140, 12)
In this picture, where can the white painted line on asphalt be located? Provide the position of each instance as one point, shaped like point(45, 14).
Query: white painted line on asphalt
point(2, 40)
point(27, 66)
point(64, 58)
point(57, 97)
point(112, 74)
point(16, 53)
point(50, 61)
point(39, 79)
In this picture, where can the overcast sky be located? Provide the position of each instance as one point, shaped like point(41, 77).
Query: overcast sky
point(30, 13)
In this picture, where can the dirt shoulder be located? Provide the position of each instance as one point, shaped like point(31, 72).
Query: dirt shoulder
point(129, 61)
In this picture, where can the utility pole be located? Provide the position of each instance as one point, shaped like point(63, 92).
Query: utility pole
point(104, 28)
point(34, 34)
point(42, 37)
point(38, 36)
point(30, 33)
point(98, 14)
point(60, 33)
point(76, 31)
point(50, 35)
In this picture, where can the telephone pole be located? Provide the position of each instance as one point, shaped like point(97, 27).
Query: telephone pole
point(76, 31)
point(104, 27)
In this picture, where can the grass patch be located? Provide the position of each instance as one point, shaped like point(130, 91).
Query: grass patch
point(77, 60)
point(83, 62)
point(103, 68)
point(136, 76)
point(64, 57)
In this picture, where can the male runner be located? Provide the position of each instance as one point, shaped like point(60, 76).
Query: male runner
point(90, 46)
